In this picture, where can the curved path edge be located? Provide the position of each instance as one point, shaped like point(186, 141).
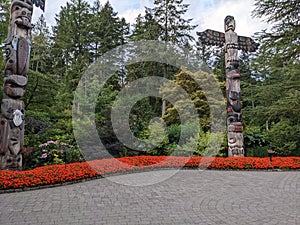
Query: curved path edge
point(188, 197)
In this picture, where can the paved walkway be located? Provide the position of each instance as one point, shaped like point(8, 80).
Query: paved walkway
point(188, 197)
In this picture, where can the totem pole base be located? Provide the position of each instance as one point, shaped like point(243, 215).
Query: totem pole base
point(235, 140)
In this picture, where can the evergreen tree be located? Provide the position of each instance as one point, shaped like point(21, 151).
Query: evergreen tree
point(42, 85)
point(146, 27)
point(70, 48)
point(107, 30)
point(248, 82)
point(164, 22)
point(196, 94)
point(4, 23)
point(283, 40)
point(169, 15)
point(205, 56)
point(174, 29)
point(4, 18)
point(218, 64)
point(71, 39)
point(41, 47)
point(277, 69)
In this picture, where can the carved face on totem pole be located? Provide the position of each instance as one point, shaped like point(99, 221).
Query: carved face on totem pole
point(21, 14)
point(13, 145)
point(233, 92)
point(18, 42)
point(10, 161)
point(235, 139)
point(231, 43)
point(12, 132)
point(229, 23)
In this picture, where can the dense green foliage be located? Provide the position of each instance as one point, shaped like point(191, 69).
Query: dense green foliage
point(274, 85)
point(4, 21)
point(83, 33)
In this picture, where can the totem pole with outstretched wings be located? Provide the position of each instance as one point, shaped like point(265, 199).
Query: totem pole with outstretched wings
point(232, 43)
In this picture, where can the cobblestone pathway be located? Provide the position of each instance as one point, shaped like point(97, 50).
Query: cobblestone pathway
point(188, 197)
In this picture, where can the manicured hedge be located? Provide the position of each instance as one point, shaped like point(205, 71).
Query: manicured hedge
point(57, 174)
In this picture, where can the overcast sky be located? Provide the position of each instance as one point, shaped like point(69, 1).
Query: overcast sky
point(205, 13)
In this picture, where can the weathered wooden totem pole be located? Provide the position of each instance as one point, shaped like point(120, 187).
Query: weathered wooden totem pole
point(232, 43)
point(15, 81)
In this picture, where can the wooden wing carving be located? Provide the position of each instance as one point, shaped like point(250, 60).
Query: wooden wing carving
point(247, 44)
point(211, 37)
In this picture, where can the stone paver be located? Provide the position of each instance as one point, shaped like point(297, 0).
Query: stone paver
point(188, 197)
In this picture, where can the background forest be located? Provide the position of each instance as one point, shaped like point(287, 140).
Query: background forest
point(60, 54)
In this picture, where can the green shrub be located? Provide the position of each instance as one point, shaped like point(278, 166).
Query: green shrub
point(257, 151)
point(173, 133)
point(284, 138)
point(155, 138)
point(254, 137)
point(52, 152)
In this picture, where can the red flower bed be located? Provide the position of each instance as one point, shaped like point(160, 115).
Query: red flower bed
point(55, 174)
